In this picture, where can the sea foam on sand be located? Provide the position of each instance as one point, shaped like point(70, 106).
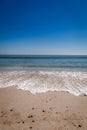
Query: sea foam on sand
point(43, 81)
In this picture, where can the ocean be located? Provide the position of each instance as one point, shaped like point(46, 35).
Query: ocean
point(42, 73)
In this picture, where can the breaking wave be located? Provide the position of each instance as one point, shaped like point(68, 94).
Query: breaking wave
point(43, 81)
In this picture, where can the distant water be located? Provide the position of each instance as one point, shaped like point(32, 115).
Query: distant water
point(44, 73)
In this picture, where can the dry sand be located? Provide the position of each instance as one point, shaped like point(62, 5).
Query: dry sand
point(20, 110)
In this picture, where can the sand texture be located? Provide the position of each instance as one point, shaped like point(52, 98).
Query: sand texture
point(21, 110)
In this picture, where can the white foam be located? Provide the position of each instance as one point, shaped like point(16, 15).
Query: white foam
point(43, 81)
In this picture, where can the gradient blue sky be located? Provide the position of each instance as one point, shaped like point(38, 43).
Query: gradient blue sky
point(43, 27)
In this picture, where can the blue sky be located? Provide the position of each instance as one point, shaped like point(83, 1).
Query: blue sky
point(43, 27)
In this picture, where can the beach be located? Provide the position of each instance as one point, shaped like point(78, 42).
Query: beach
point(43, 92)
point(22, 110)
point(43, 65)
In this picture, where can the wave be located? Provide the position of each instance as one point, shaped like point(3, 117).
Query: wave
point(43, 81)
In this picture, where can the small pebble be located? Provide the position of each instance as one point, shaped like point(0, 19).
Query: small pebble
point(33, 121)
point(18, 122)
point(30, 127)
point(79, 126)
point(30, 116)
point(11, 109)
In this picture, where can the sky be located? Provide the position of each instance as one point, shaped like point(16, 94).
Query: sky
point(57, 27)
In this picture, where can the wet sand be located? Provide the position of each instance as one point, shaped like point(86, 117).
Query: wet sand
point(21, 110)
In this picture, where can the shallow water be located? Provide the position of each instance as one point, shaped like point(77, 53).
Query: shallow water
point(45, 73)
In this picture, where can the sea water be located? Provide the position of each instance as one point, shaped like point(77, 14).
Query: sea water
point(42, 73)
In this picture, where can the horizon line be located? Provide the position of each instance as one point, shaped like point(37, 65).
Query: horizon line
point(43, 54)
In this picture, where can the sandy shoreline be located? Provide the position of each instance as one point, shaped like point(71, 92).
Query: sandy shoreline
point(21, 110)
